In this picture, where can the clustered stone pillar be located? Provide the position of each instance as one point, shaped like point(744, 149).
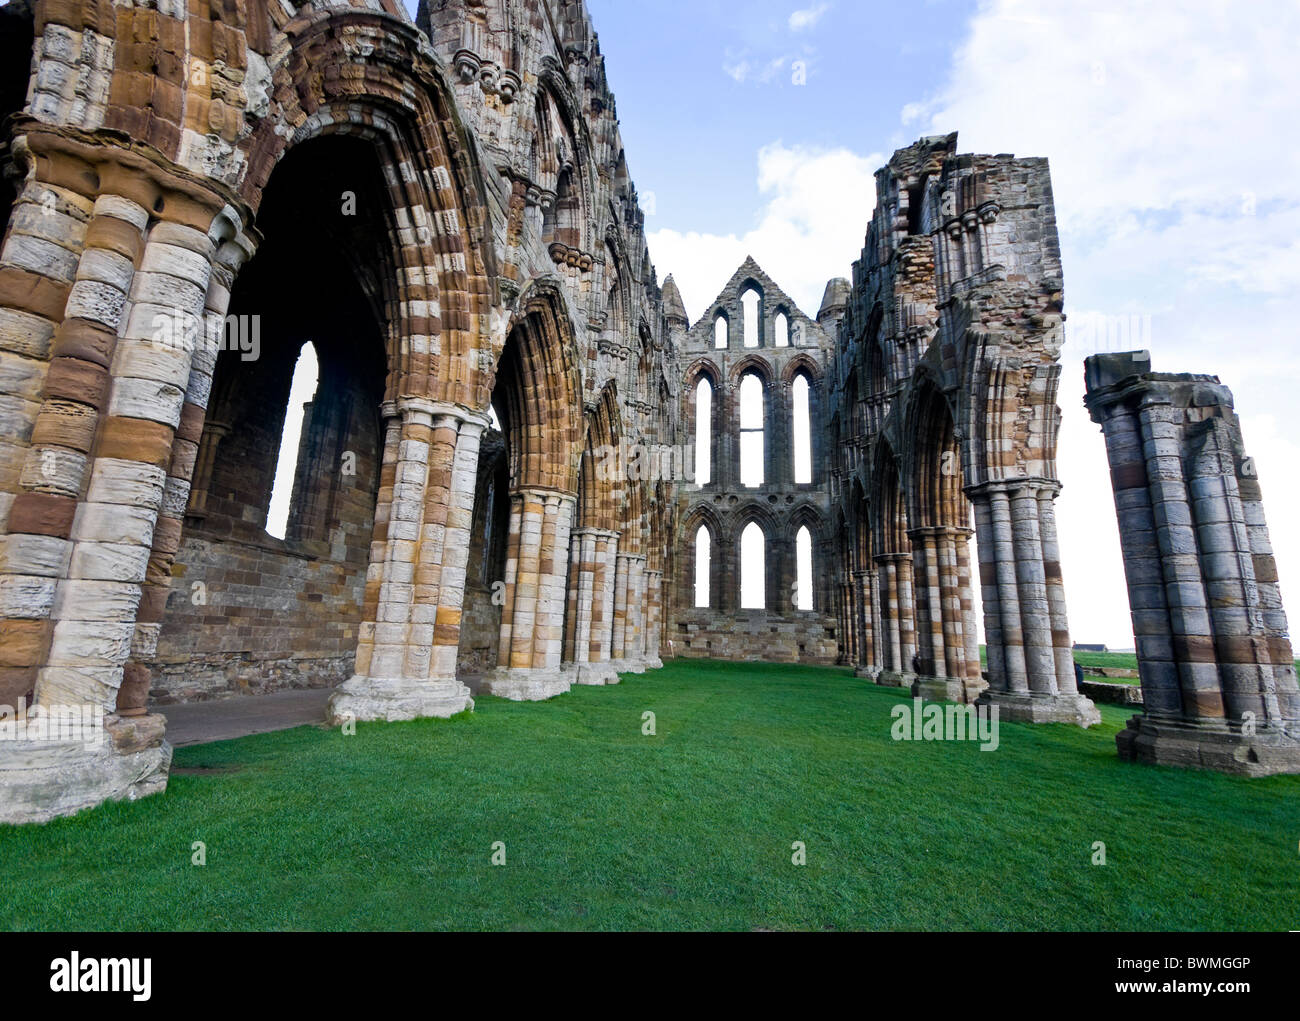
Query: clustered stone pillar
point(532, 621)
point(171, 253)
point(947, 646)
point(654, 618)
point(415, 585)
point(1218, 678)
point(626, 655)
point(92, 518)
point(845, 615)
point(582, 564)
point(602, 610)
point(898, 624)
point(591, 550)
point(860, 635)
point(1030, 663)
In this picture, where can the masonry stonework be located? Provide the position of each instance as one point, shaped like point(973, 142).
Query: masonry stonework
point(495, 490)
point(942, 423)
point(1218, 675)
point(778, 346)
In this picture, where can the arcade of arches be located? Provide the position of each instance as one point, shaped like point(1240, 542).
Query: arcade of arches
point(522, 467)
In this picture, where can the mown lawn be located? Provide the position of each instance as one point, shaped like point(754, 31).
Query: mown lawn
point(1112, 660)
point(605, 828)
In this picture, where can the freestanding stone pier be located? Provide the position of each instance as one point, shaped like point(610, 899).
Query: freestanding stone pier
point(1218, 677)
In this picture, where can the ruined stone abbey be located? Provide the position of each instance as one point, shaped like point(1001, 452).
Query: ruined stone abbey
point(523, 467)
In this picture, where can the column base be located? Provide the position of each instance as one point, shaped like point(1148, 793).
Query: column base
point(896, 678)
point(43, 780)
point(654, 663)
point(946, 689)
point(391, 699)
point(592, 673)
point(1207, 745)
point(1035, 707)
point(527, 684)
point(628, 665)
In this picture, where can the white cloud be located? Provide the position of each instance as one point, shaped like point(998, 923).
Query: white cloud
point(817, 206)
point(807, 17)
point(737, 72)
point(742, 69)
point(1169, 127)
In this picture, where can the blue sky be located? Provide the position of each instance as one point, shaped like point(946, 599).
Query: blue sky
point(702, 85)
point(1171, 131)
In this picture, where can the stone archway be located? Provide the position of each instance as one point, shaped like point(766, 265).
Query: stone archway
point(947, 648)
point(593, 570)
point(249, 611)
point(536, 394)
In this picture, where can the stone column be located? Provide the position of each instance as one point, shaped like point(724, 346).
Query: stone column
point(618, 627)
point(1218, 680)
point(642, 621)
point(860, 590)
point(875, 652)
point(974, 675)
point(897, 629)
point(931, 680)
point(1031, 581)
point(572, 589)
point(1024, 605)
point(415, 584)
point(940, 556)
point(599, 670)
point(209, 444)
point(1063, 651)
point(173, 261)
point(654, 613)
point(95, 477)
point(844, 623)
point(582, 603)
point(624, 655)
point(906, 617)
point(532, 627)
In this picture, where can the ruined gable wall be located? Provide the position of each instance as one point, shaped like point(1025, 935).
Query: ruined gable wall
point(779, 633)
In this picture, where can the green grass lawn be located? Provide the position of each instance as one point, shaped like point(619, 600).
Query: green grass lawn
point(1117, 661)
point(1112, 660)
point(605, 828)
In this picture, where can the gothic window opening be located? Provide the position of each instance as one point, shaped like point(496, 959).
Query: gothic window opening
point(751, 430)
point(703, 432)
point(703, 557)
point(782, 330)
point(753, 568)
point(749, 300)
point(802, 433)
point(306, 376)
point(720, 338)
point(803, 592)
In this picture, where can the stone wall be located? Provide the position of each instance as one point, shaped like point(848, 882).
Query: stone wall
point(444, 210)
point(942, 419)
point(723, 505)
point(755, 636)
